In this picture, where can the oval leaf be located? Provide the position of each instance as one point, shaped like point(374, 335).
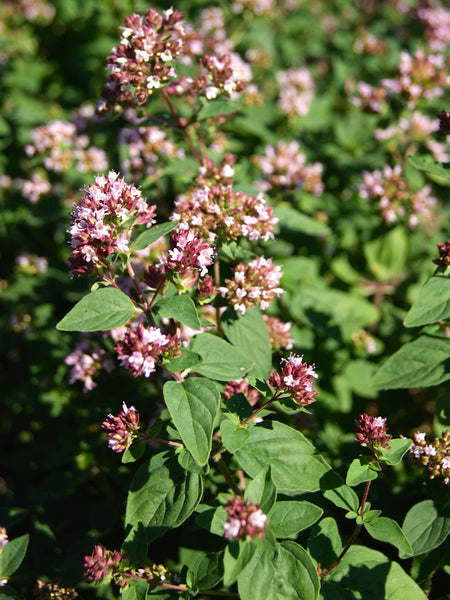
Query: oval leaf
point(193, 406)
point(432, 304)
point(180, 308)
point(387, 530)
point(162, 495)
point(151, 235)
point(289, 517)
point(12, 555)
point(101, 310)
point(426, 526)
point(220, 360)
point(262, 490)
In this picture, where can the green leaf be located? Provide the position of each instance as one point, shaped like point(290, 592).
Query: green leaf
point(433, 303)
point(296, 465)
point(388, 530)
point(368, 574)
point(335, 490)
point(136, 590)
point(12, 555)
point(428, 164)
point(421, 363)
point(360, 471)
point(237, 556)
point(134, 452)
point(249, 333)
point(233, 437)
point(325, 543)
point(180, 308)
point(297, 222)
point(215, 108)
point(206, 571)
point(285, 573)
point(212, 519)
point(239, 405)
point(426, 526)
point(398, 448)
point(188, 360)
point(289, 517)
point(386, 255)
point(104, 309)
point(262, 490)
point(220, 360)
point(162, 495)
point(193, 406)
point(151, 235)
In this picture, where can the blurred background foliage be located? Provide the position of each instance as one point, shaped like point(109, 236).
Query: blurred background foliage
point(349, 276)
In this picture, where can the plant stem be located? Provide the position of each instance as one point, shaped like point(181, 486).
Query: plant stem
point(352, 537)
point(141, 297)
point(181, 126)
point(229, 479)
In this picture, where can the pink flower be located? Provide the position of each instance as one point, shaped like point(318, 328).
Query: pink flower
point(295, 381)
point(102, 564)
point(143, 347)
point(245, 519)
point(444, 255)
point(296, 91)
point(255, 284)
point(123, 429)
point(87, 361)
point(187, 252)
point(372, 432)
point(279, 333)
point(434, 456)
point(240, 387)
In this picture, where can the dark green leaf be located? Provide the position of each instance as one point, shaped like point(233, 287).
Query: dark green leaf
point(360, 471)
point(220, 360)
point(398, 448)
point(249, 333)
point(180, 308)
point(12, 555)
point(296, 465)
point(206, 571)
point(104, 309)
point(428, 164)
point(193, 406)
point(421, 363)
point(233, 437)
point(134, 452)
point(162, 495)
point(387, 530)
point(433, 303)
point(237, 556)
point(325, 543)
point(151, 235)
point(426, 526)
point(187, 360)
point(262, 490)
point(289, 517)
point(136, 590)
point(335, 490)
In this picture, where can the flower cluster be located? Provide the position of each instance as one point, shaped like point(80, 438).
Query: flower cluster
point(284, 166)
point(32, 189)
point(244, 519)
point(103, 220)
point(295, 381)
point(420, 76)
point(369, 97)
point(87, 361)
point(53, 591)
point(145, 146)
point(444, 255)
point(211, 174)
point(223, 212)
point(396, 199)
point(435, 456)
point(114, 565)
point(63, 146)
point(437, 22)
point(240, 387)
point(123, 429)
point(372, 432)
point(143, 61)
point(255, 284)
point(297, 91)
point(279, 333)
point(31, 264)
point(141, 348)
point(187, 253)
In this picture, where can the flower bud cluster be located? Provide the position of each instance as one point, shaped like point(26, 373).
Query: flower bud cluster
point(372, 432)
point(87, 361)
point(141, 348)
point(53, 591)
point(145, 147)
point(187, 253)
point(255, 284)
point(435, 456)
point(284, 166)
point(420, 76)
point(295, 382)
point(279, 333)
point(297, 91)
point(103, 221)
point(219, 211)
point(144, 59)
point(444, 255)
point(106, 565)
point(396, 199)
point(122, 429)
point(245, 519)
point(63, 146)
